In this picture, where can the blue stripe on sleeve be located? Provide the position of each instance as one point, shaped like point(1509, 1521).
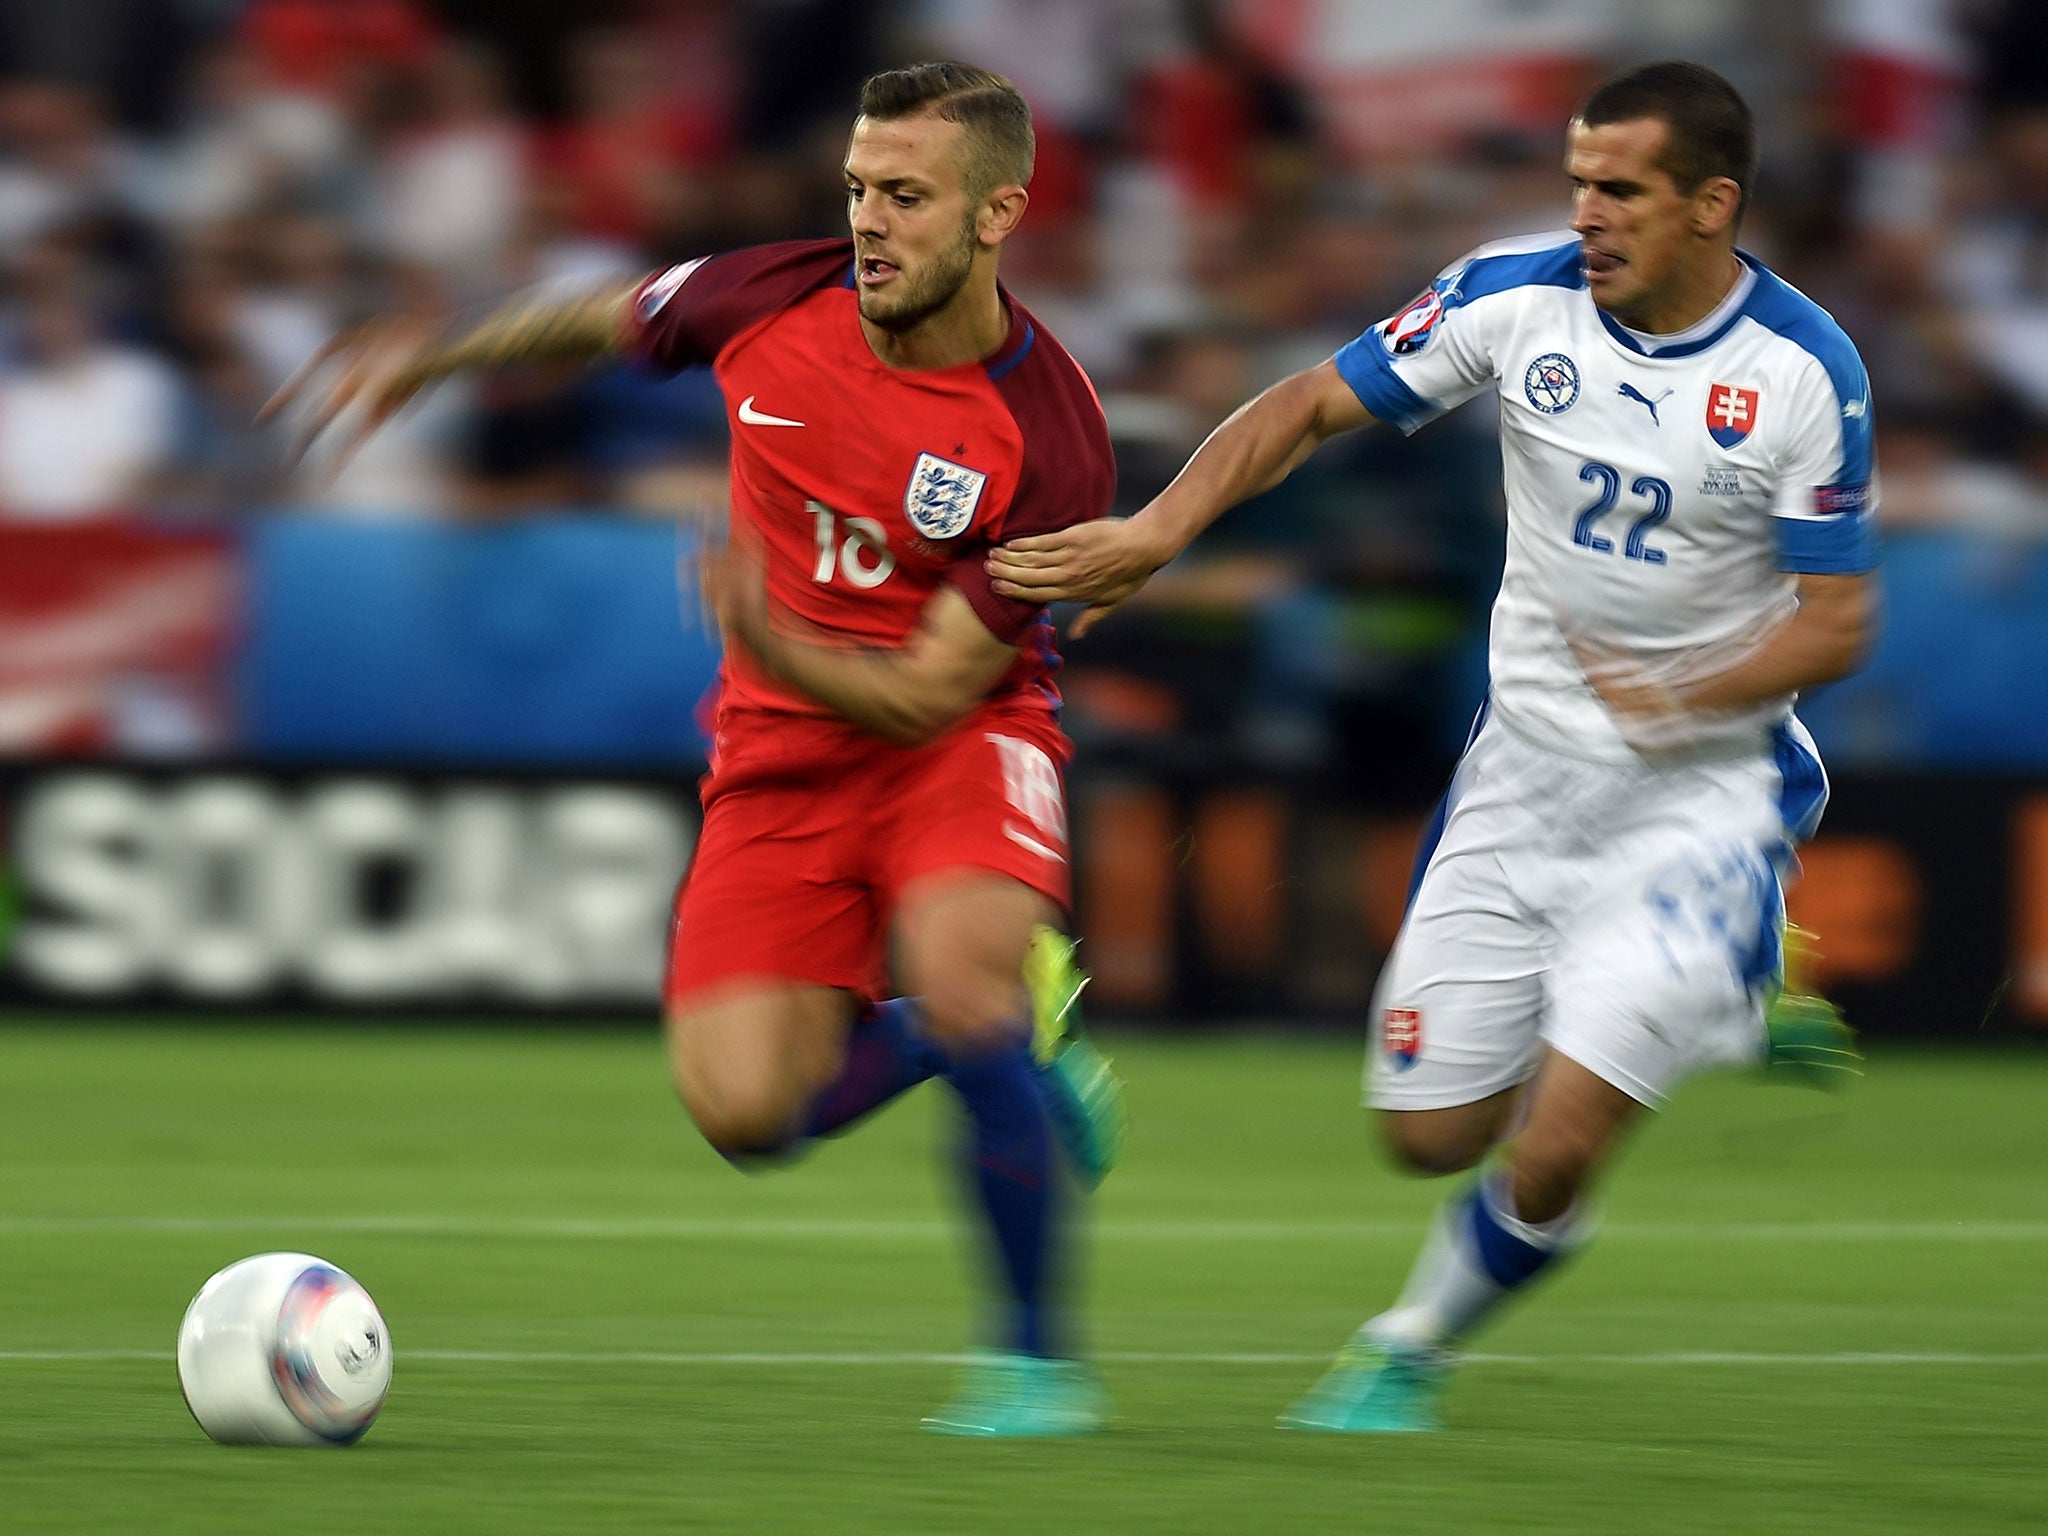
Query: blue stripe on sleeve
point(1556, 266)
point(1370, 372)
point(1834, 546)
point(1778, 306)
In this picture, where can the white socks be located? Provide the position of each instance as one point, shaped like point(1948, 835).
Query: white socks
point(1477, 1254)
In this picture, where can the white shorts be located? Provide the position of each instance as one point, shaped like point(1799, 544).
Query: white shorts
point(1624, 914)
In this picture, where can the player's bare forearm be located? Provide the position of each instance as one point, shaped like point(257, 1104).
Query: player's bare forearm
point(533, 328)
point(1262, 442)
point(906, 695)
point(879, 691)
point(1103, 563)
point(1826, 638)
point(1822, 639)
point(376, 368)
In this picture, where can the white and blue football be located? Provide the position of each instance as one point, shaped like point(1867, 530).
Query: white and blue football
point(284, 1349)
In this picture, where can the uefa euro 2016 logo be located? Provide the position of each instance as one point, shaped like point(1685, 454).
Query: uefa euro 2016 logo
point(1552, 383)
point(1409, 331)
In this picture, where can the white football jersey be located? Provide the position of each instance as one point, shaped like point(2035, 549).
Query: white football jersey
point(1663, 493)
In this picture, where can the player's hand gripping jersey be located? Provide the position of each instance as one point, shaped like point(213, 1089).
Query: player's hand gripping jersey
point(1662, 492)
point(870, 487)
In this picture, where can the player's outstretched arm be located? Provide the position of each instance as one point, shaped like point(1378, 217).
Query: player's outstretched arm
point(906, 695)
point(1103, 563)
point(378, 366)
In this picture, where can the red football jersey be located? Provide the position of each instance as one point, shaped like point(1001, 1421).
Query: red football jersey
point(870, 486)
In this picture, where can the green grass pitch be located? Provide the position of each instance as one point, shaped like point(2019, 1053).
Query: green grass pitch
point(1806, 1314)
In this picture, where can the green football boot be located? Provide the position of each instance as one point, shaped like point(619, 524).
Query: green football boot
point(1807, 1037)
point(1082, 1092)
point(1012, 1396)
point(1374, 1389)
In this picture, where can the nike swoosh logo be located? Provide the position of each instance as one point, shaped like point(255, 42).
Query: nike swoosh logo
point(754, 418)
point(1855, 408)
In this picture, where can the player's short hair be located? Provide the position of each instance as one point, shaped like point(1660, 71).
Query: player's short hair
point(1711, 132)
point(998, 145)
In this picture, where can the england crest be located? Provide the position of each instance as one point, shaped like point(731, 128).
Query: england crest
point(1731, 413)
point(941, 497)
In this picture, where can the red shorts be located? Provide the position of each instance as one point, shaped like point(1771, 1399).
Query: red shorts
point(812, 831)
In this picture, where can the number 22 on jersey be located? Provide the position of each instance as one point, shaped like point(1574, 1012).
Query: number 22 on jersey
point(1608, 479)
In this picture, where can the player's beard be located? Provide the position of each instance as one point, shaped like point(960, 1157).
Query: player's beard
point(930, 291)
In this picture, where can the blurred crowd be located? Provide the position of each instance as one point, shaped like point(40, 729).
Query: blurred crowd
point(193, 196)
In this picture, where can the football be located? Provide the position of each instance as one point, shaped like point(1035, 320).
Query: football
point(284, 1349)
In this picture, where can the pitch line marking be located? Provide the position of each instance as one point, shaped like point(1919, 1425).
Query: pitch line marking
point(1851, 1357)
point(1142, 1229)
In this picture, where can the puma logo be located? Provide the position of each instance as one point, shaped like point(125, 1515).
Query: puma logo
point(1630, 392)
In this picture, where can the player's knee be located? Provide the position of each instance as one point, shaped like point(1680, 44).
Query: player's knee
point(741, 1132)
point(743, 1121)
point(975, 1012)
point(1431, 1143)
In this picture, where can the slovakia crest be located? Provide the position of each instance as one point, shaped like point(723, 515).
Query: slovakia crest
point(1409, 331)
point(1731, 413)
point(1401, 1035)
point(941, 497)
point(1551, 383)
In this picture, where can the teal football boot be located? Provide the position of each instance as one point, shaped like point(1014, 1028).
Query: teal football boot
point(1082, 1093)
point(1003, 1395)
point(1374, 1389)
point(1807, 1038)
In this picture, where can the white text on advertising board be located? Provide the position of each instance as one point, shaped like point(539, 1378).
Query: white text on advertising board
point(229, 887)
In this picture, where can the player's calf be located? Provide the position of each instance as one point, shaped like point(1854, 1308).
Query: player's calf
point(1488, 1243)
point(961, 942)
point(1577, 1121)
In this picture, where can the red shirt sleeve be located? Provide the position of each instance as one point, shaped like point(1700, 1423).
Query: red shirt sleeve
point(1068, 474)
point(683, 317)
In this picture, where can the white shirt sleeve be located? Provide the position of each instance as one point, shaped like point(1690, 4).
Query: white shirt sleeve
point(1824, 507)
point(1432, 355)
